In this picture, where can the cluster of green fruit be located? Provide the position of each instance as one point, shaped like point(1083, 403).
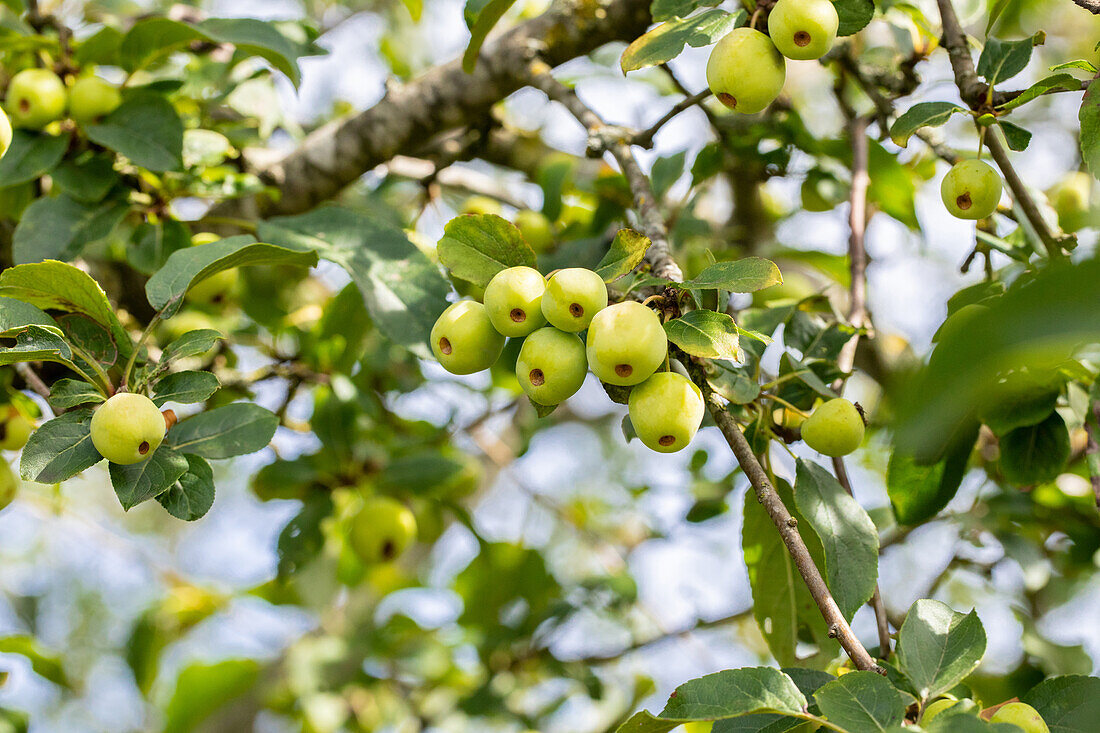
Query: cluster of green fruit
point(747, 68)
point(625, 345)
point(38, 97)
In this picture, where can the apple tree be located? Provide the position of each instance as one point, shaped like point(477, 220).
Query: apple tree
point(492, 356)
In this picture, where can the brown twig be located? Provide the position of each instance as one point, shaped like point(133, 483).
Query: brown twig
point(660, 259)
point(645, 138)
point(1093, 6)
point(32, 379)
point(1092, 448)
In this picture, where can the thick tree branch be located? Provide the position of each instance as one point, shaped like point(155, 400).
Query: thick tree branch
point(660, 260)
point(1093, 6)
point(443, 98)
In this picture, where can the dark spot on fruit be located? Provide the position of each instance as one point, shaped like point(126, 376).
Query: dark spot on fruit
point(445, 346)
point(3, 430)
point(389, 550)
point(144, 447)
point(802, 38)
point(666, 440)
point(624, 370)
point(537, 377)
point(576, 310)
point(964, 202)
point(518, 315)
point(24, 105)
point(728, 99)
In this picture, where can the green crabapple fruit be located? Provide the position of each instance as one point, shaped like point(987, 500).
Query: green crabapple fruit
point(666, 411)
point(36, 97)
point(1070, 198)
point(803, 29)
point(513, 299)
point(835, 428)
point(971, 189)
point(551, 366)
point(573, 296)
point(699, 727)
point(9, 484)
point(481, 205)
point(15, 428)
point(91, 99)
point(1021, 715)
point(463, 338)
point(936, 708)
point(626, 344)
point(5, 133)
point(127, 428)
point(745, 71)
point(382, 530)
point(536, 229)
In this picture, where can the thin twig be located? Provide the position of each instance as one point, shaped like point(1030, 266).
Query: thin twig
point(660, 260)
point(645, 138)
point(1092, 448)
point(32, 379)
point(1023, 197)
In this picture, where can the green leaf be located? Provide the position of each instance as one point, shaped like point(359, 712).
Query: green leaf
point(187, 267)
point(201, 689)
point(627, 252)
point(854, 15)
point(60, 449)
point(404, 291)
point(192, 343)
point(1089, 117)
point(666, 41)
point(662, 10)
point(704, 333)
point(66, 393)
point(56, 285)
point(1040, 320)
point(191, 497)
point(734, 692)
point(644, 722)
point(1051, 83)
point(923, 114)
point(31, 154)
point(224, 432)
point(665, 172)
point(140, 482)
point(59, 227)
point(918, 492)
point(46, 664)
point(15, 314)
point(847, 534)
point(152, 38)
point(87, 180)
point(892, 185)
point(153, 244)
point(185, 387)
point(1068, 704)
point(864, 701)
point(480, 22)
point(938, 648)
point(784, 610)
point(995, 13)
point(475, 247)
point(1022, 399)
point(1001, 60)
point(1035, 453)
point(1017, 137)
point(146, 129)
point(746, 275)
point(36, 343)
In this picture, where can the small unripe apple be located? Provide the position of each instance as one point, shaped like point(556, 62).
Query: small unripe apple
point(573, 297)
point(803, 29)
point(513, 299)
point(699, 727)
point(745, 71)
point(5, 133)
point(551, 366)
point(481, 205)
point(15, 428)
point(536, 229)
point(36, 97)
point(91, 99)
point(382, 530)
point(971, 189)
point(788, 418)
point(1021, 715)
point(666, 411)
point(9, 484)
point(835, 428)
point(463, 338)
point(1070, 198)
point(127, 428)
point(626, 344)
point(215, 289)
